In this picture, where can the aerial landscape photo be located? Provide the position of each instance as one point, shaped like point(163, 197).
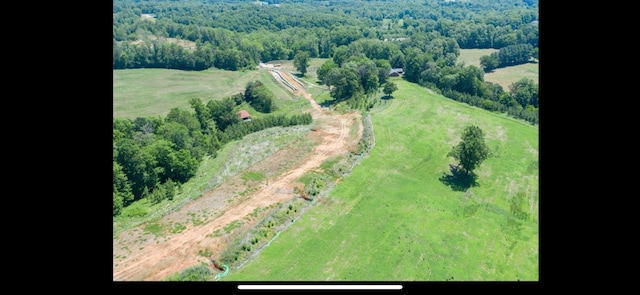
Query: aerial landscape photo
point(326, 141)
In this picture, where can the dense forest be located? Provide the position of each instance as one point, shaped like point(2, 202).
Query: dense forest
point(238, 34)
point(361, 40)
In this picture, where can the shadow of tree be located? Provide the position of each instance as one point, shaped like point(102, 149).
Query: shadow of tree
point(459, 180)
point(328, 103)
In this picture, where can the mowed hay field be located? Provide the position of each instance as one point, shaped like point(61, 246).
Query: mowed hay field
point(152, 92)
point(503, 76)
point(399, 216)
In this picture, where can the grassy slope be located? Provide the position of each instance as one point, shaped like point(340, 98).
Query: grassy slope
point(156, 91)
point(503, 76)
point(393, 219)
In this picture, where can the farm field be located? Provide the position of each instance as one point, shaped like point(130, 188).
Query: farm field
point(503, 76)
point(156, 91)
point(507, 76)
point(400, 216)
point(472, 56)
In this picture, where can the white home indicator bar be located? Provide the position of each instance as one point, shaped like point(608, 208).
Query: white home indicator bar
point(319, 287)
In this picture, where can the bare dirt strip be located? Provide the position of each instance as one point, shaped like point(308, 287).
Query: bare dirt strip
point(142, 256)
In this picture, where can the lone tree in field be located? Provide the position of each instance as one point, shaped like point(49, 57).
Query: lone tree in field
point(472, 150)
point(389, 88)
point(301, 61)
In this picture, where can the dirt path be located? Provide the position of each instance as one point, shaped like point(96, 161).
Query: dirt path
point(140, 256)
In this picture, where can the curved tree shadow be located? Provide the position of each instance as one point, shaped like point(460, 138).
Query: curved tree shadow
point(459, 180)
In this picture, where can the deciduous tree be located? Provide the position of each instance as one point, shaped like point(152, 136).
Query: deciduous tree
point(389, 88)
point(324, 69)
point(301, 61)
point(472, 150)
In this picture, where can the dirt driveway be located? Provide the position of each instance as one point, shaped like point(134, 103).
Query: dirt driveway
point(141, 256)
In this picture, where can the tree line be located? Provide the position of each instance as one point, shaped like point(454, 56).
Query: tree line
point(356, 71)
point(238, 34)
point(153, 156)
point(508, 56)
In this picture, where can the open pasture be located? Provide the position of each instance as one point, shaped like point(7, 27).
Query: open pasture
point(401, 215)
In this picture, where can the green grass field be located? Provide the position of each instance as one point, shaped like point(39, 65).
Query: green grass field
point(152, 92)
point(507, 76)
point(503, 76)
point(472, 56)
point(400, 217)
